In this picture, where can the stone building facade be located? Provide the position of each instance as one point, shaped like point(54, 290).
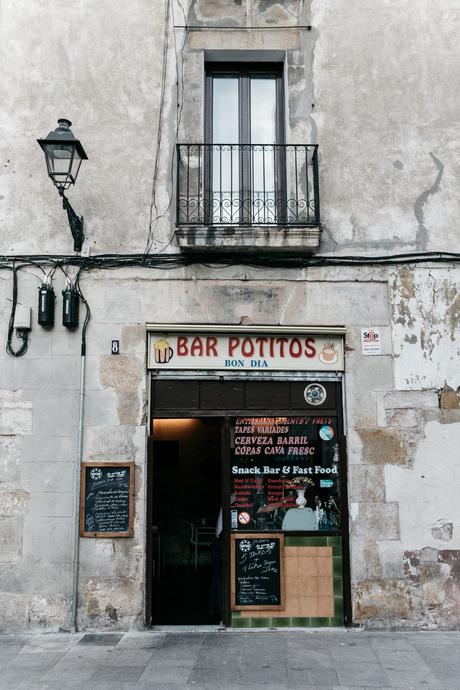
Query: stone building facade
point(372, 85)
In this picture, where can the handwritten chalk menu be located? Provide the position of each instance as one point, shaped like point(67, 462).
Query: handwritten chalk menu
point(257, 571)
point(107, 500)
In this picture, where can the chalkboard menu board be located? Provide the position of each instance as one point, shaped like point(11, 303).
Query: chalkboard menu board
point(107, 499)
point(257, 571)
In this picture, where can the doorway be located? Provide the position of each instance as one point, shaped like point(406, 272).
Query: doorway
point(186, 501)
point(272, 455)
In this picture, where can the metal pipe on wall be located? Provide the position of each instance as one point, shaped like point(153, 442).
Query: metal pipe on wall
point(76, 516)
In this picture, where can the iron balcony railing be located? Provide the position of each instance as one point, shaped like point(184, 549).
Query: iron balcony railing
point(247, 184)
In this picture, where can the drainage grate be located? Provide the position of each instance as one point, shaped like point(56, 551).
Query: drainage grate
point(101, 640)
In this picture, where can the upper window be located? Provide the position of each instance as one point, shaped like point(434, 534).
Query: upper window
point(244, 173)
point(244, 105)
point(244, 124)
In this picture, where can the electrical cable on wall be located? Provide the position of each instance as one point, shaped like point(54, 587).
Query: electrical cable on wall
point(172, 261)
point(153, 202)
point(153, 221)
point(22, 330)
point(237, 258)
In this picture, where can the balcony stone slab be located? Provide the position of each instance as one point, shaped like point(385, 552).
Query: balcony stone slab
point(292, 240)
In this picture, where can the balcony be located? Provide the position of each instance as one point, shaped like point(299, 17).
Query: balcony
point(259, 197)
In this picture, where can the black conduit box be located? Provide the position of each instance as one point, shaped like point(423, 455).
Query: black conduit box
point(70, 307)
point(46, 299)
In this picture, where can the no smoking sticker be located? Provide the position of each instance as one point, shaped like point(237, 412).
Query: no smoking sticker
point(244, 518)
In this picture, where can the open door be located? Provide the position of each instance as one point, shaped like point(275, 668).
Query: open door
point(186, 502)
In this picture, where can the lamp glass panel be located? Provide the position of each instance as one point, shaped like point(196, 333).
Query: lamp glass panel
point(59, 158)
point(75, 165)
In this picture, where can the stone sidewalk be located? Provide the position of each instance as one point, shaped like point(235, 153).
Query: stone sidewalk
point(311, 660)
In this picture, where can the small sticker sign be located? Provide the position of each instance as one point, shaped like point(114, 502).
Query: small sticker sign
point(244, 518)
point(326, 483)
point(371, 341)
point(326, 433)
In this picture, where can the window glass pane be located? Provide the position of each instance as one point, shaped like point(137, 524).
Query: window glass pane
point(225, 151)
point(225, 110)
point(285, 474)
point(263, 136)
point(263, 110)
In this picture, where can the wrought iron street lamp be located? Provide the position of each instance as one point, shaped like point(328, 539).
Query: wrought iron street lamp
point(63, 155)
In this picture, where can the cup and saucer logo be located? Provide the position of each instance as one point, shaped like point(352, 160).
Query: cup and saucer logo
point(328, 354)
point(162, 351)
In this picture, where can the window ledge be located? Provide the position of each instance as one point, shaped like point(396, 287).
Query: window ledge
point(261, 239)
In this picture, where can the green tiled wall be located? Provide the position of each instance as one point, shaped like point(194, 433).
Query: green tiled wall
point(336, 621)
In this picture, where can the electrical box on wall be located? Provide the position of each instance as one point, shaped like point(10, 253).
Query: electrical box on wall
point(70, 307)
point(22, 318)
point(46, 299)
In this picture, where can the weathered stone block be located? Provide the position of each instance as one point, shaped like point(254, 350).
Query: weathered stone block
point(376, 520)
point(10, 539)
point(370, 375)
point(450, 398)
point(133, 337)
point(443, 530)
point(110, 443)
point(10, 448)
point(129, 408)
point(13, 608)
point(366, 559)
point(48, 476)
point(38, 448)
point(354, 447)
point(51, 504)
point(382, 447)
point(50, 373)
point(101, 408)
point(382, 599)
point(419, 400)
point(15, 417)
point(428, 555)
point(249, 40)
point(55, 414)
point(47, 539)
point(13, 503)
point(367, 483)
point(114, 602)
point(50, 613)
point(391, 558)
point(405, 418)
point(122, 373)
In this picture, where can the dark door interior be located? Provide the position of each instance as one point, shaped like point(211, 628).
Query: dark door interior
point(186, 456)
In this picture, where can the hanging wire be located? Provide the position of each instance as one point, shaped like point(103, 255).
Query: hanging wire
point(21, 334)
point(179, 108)
point(153, 201)
point(87, 308)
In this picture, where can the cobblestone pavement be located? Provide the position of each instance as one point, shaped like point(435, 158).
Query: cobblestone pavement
point(323, 660)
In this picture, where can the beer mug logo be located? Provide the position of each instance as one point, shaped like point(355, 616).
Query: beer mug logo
point(162, 352)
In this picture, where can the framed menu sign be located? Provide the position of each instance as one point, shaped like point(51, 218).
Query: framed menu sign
point(107, 499)
point(257, 580)
point(285, 474)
